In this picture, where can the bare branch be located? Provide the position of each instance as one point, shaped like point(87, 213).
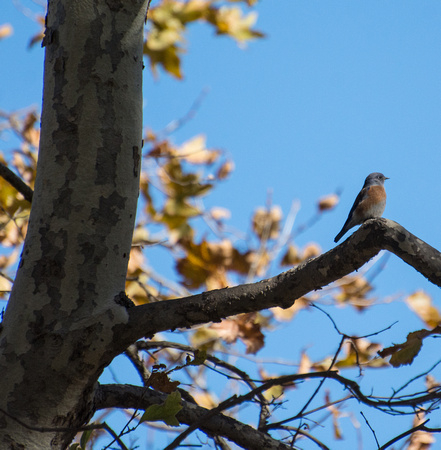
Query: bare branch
point(135, 397)
point(283, 289)
point(16, 182)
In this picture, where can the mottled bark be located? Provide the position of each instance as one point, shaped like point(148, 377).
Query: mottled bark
point(57, 332)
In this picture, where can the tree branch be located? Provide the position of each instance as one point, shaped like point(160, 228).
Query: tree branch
point(282, 290)
point(16, 182)
point(134, 397)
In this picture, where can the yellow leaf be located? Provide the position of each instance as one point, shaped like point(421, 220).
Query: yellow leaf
point(5, 30)
point(231, 21)
point(167, 58)
point(274, 392)
point(421, 304)
point(194, 151)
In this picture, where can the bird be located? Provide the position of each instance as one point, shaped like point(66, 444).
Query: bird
point(370, 203)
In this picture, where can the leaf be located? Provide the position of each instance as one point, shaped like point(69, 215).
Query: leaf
point(311, 250)
point(168, 58)
point(291, 256)
point(328, 202)
point(361, 351)
point(354, 290)
point(245, 327)
point(403, 354)
point(85, 438)
point(160, 382)
point(421, 304)
point(274, 392)
point(6, 30)
point(266, 222)
point(195, 151)
point(218, 213)
point(199, 358)
point(231, 21)
point(224, 170)
point(165, 412)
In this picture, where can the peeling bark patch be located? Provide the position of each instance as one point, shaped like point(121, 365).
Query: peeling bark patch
point(105, 165)
point(107, 214)
point(62, 205)
point(50, 269)
point(113, 44)
point(106, 160)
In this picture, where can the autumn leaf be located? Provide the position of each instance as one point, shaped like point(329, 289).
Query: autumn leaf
point(421, 304)
point(311, 250)
point(195, 151)
point(224, 170)
point(266, 222)
point(6, 30)
point(403, 354)
point(275, 391)
point(328, 202)
point(291, 257)
point(160, 382)
point(354, 290)
point(233, 22)
point(244, 327)
point(168, 58)
point(360, 351)
point(165, 412)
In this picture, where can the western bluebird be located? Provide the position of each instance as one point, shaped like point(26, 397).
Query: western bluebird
point(370, 203)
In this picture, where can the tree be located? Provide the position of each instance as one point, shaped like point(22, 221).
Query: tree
point(69, 314)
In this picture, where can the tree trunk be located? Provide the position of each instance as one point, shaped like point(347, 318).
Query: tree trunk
point(58, 327)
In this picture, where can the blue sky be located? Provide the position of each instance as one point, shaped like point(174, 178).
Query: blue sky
point(335, 91)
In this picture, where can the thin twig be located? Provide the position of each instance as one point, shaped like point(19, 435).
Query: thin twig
point(307, 435)
point(16, 182)
point(369, 425)
point(406, 433)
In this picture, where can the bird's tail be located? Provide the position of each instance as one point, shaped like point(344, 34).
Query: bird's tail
point(339, 235)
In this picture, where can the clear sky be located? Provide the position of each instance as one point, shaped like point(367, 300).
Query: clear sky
point(336, 90)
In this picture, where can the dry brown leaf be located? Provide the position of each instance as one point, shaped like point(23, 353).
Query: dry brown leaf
point(228, 330)
point(224, 170)
point(421, 304)
point(305, 365)
point(160, 382)
point(291, 256)
point(266, 222)
point(328, 202)
point(311, 251)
